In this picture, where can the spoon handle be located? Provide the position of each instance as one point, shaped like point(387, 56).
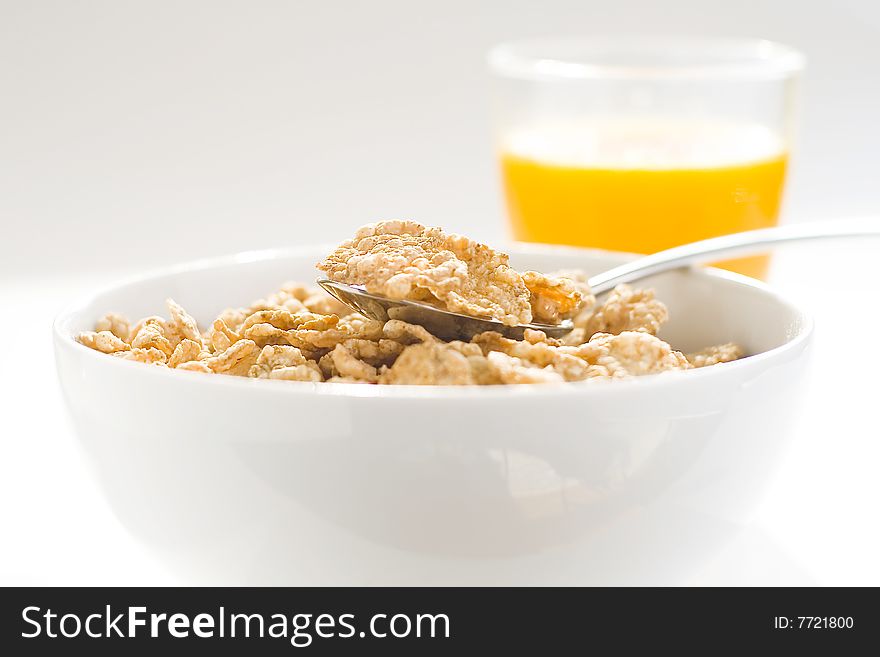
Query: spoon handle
point(749, 242)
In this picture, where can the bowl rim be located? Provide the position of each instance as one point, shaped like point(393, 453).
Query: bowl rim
point(63, 338)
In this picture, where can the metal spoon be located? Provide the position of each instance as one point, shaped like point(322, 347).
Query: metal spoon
point(449, 325)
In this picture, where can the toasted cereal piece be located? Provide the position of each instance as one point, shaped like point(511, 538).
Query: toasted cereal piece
point(103, 341)
point(533, 336)
point(275, 357)
point(236, 360)
point(221, 336)
point(509, 369)
point(331, 334)
point(297, 290)
point(381, 352)
point(581, 281)
point(137, 326)
point(185, 351)
point(480, 371)
point(195, 366)
point(262, 335)
point(308, 371)
point(308, 333)
point(552, 298)
point(291, 296)
point(281, 300)
point(280, 356)
point(116, 323)
point(286, 320)
point(360, 327)
point(150, 356)
point(341, 362)
point(625, 309)
point(322, 303)
point(275, 301)
point(632, 353)
point(406, 333)
point(151, 333)
point(722, 353)
point(182, 323)
point(430, 363)
point(294, 306)
point(285, 363)
point(233, 317)
point(575, 337)
point(539, 353)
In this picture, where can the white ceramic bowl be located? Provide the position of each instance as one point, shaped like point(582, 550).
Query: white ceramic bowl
point(233, 481)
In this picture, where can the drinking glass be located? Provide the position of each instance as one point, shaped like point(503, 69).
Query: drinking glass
point(641, 144)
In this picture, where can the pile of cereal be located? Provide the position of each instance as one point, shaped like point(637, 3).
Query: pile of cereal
point(302, 334)
point(405, 260)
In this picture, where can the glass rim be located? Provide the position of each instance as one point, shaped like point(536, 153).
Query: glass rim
point(538, 59)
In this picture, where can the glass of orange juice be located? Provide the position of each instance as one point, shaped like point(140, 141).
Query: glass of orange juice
point(641, 144)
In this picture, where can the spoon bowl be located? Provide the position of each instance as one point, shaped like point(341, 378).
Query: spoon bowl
point(442, 323)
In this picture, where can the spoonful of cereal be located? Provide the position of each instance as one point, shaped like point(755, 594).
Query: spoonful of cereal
point(458, 288)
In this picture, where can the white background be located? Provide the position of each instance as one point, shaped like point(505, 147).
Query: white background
point(134, 134)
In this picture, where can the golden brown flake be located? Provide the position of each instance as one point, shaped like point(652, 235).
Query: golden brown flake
point(430, 363)
point(406, 333)
point(552, 298)
point(221, 336)
point(151, 333)
point(117, 324)
point(632, 353)
point(184, 352)
point(103, 341)
point(723, 353)
point(626, 309)
point(150, 356)
point(195, 366)
point(510, 369)
point(286, 363)
point(182, 323)
point(341, 362)
point(236, 360)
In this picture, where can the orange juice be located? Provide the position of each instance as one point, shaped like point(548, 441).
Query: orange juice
point(643, 187)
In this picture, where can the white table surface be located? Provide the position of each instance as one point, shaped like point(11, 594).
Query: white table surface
point(818, 523)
